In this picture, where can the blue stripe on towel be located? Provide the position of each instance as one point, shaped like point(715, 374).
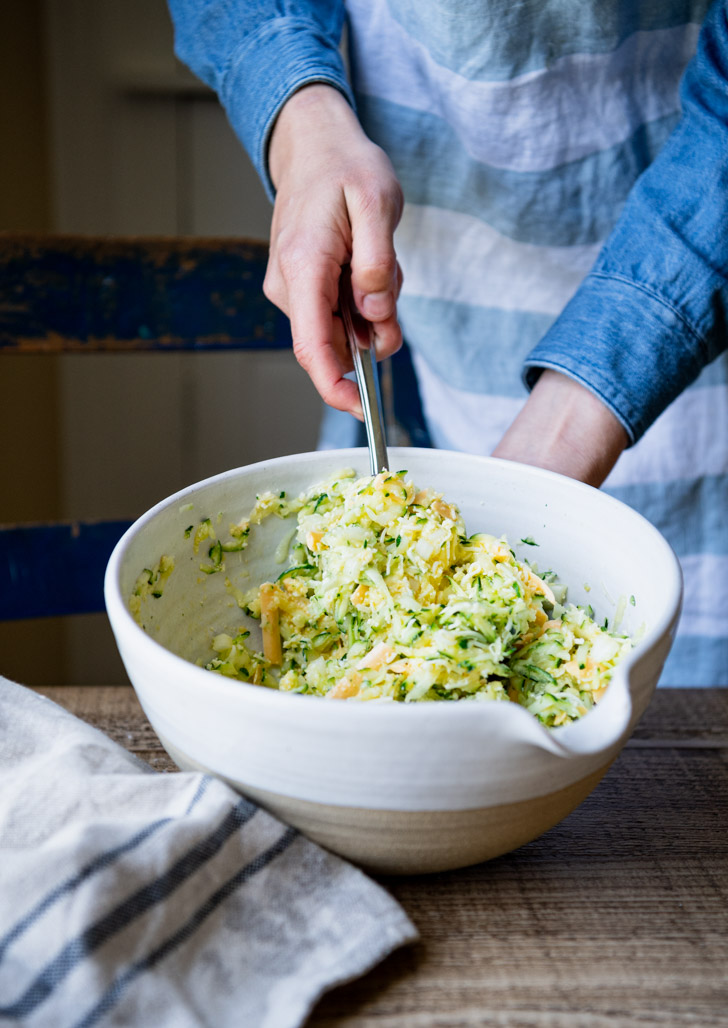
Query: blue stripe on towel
point(99, 863)
point(131, 908)
point(116, 990)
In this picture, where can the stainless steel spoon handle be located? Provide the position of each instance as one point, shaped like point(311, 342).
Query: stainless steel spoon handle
point(360, 336)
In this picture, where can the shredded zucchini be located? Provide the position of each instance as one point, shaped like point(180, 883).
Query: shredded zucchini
point(388, 598)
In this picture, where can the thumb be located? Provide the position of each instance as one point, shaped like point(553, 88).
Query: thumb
point(374, 271)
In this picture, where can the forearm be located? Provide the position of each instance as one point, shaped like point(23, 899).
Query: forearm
point(564, 427)
point(256, 57)
point(654, 310)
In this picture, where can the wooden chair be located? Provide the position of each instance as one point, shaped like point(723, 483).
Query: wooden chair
point(72, 294)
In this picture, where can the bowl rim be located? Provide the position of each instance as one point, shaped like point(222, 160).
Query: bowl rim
point(121, 617)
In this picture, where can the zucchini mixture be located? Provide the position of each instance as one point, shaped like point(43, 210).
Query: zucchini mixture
point(387, 598)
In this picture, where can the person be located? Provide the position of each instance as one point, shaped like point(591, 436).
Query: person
point(553, 180)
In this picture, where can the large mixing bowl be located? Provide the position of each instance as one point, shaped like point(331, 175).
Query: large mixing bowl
point(394, 787)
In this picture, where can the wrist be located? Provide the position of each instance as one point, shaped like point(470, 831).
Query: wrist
point(564, 427)
point(307, 121)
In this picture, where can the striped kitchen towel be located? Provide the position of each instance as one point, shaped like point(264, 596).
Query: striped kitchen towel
point(129, 897)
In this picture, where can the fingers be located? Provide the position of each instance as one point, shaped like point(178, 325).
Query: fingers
point(337, 201)
point(319, 344)
point(302, 279)
point(375, 274)
point(387, 338)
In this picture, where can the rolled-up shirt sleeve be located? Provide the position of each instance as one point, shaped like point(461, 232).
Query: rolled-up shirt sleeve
point(652, 313)
point(256, 53)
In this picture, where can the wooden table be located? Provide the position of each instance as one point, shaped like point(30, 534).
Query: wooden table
point(616, 917)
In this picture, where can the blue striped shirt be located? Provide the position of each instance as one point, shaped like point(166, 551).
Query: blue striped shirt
point(566, 187)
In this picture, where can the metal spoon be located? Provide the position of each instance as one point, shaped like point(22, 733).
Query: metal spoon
point(360, 336)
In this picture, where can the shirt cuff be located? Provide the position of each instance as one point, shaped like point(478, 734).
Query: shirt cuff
point(284, 55)
point(626, 345)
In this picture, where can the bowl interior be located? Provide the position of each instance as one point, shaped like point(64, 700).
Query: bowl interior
point(608, 555)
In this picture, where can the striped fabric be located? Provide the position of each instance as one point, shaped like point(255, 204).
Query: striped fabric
point(517, 131)
point(135, 898)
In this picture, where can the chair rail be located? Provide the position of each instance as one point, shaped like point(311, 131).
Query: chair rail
point(62, 293)
point(55, 569)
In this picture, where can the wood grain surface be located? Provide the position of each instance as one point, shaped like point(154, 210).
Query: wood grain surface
point(618, 916)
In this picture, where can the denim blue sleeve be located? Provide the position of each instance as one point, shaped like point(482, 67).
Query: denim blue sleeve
point(256, 53)
point(653, 310)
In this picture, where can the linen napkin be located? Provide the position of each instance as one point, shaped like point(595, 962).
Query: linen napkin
point(130, 897)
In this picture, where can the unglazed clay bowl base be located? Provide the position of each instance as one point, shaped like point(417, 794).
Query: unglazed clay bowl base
point(406, 842)
point(399, 787)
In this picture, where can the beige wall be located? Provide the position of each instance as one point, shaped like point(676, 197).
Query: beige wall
point(24, 196)
point(98, 115)
point(29, 480)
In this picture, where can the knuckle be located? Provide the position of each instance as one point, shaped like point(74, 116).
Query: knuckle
point(379, 194)
point(290, 249)
point(372, 200)
point(386, 345)
point(292, 261)
point(395, 196)
point(380, 267)
point(302, 353)
point(306, 357)
point(271, 286)
point(328, 395)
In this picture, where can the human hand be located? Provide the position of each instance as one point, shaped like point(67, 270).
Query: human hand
point(564, 427)
point(337, 200)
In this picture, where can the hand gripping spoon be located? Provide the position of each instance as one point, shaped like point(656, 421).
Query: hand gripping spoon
point(360, 336)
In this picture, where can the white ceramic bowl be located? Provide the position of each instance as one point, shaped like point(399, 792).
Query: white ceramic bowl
point(394, 787)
